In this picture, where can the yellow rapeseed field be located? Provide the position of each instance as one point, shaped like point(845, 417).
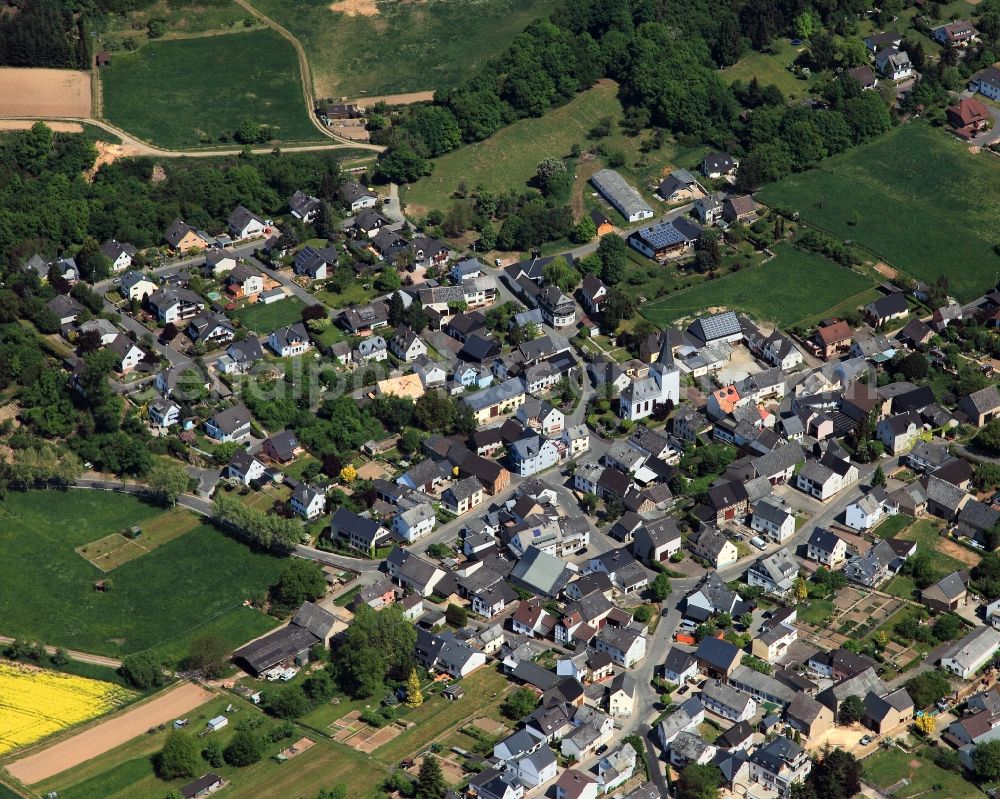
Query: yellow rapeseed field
point(35, 703)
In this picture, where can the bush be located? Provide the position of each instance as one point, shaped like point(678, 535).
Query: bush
point(178, 758)
point(141, 671)
point(245, 748)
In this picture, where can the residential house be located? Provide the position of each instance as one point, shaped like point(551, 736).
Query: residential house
point(728, 702)
point(218, 262)
point(414, 523)
point(865, 76)
point(316, 264)
point(593, 293)
point(164, 413)
point(708, 209)
point(183, 238)
point(307, 502)
point(290, 341)
point(719, 165)
point(497, 400)
point(968, 116)
point(779, 764)
point(173, 305)
point(540, 573)
point(826, 477)
point(713, 596)
point(879, 41)
point(832, 338)
point(869, 510)
point(212, 330)
point(776, 635)
point(119, 253)
point(532, 454)
point(243, 355)
point(729, 501)
point(444, 653)
point(775, 521)
point(873, 567)
point(357, 197)
point(665, 240)
point(406, 345)
point(775, 573)
point(244, 467)
point(358, 532)
point(304, 206)
point(232, 424)
point(372, 348)
point(762, 687)
point(245, 224)
point(127, 353)
point(826, 548)
point(679, 186)
point(893, 64)
point(136, 286)
point(679, 666)
point(617, 767)
point(625, 645)
point(712, 546)
point(687, 717)
point(282, 447)
point(958, 33)
point(691, 748)
point(886, 309)
point(573, 784)
point(462, 496)
point(362, 320)
point(899, 432)
point(739, 209)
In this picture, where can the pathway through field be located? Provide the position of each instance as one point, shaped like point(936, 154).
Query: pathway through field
point(107, 735)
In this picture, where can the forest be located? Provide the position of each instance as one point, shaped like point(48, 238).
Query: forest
point(47, 205)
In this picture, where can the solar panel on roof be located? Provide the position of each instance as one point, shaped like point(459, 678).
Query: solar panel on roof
point(662, 235)
point(724, 324)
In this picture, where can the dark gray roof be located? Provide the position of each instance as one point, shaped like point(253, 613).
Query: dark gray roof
point(717, 653)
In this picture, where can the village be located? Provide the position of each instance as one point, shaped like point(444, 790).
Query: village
point(720, 544)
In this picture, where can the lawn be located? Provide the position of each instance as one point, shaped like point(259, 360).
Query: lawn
point(893, 525)
point(771, 69)
point(889, 766)
point(193, 584)
point(510, 157)
point(400, 47)
point(916, 197)
point(816, 611)
point(263, 318)
point(186, 93)
point(793, 286)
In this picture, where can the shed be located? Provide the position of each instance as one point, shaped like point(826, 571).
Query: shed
point(216, 724)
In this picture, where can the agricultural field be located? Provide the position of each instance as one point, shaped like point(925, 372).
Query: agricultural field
point(375, 47)
point(185, 93)
point(510, 157)
point(916, 198)
point(38, 703)
point(795, 285)
point(263, 318)
point(44, 92)
point(191, 585)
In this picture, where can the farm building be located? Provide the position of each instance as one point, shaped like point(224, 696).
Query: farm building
point(625, 198)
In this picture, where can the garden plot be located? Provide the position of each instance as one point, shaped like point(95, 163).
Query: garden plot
point(357, 734)
point(117, 549)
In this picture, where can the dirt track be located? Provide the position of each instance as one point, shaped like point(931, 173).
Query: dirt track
point(24, 124)
point(395, 99)
point(44, 92)
point(107, 735)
